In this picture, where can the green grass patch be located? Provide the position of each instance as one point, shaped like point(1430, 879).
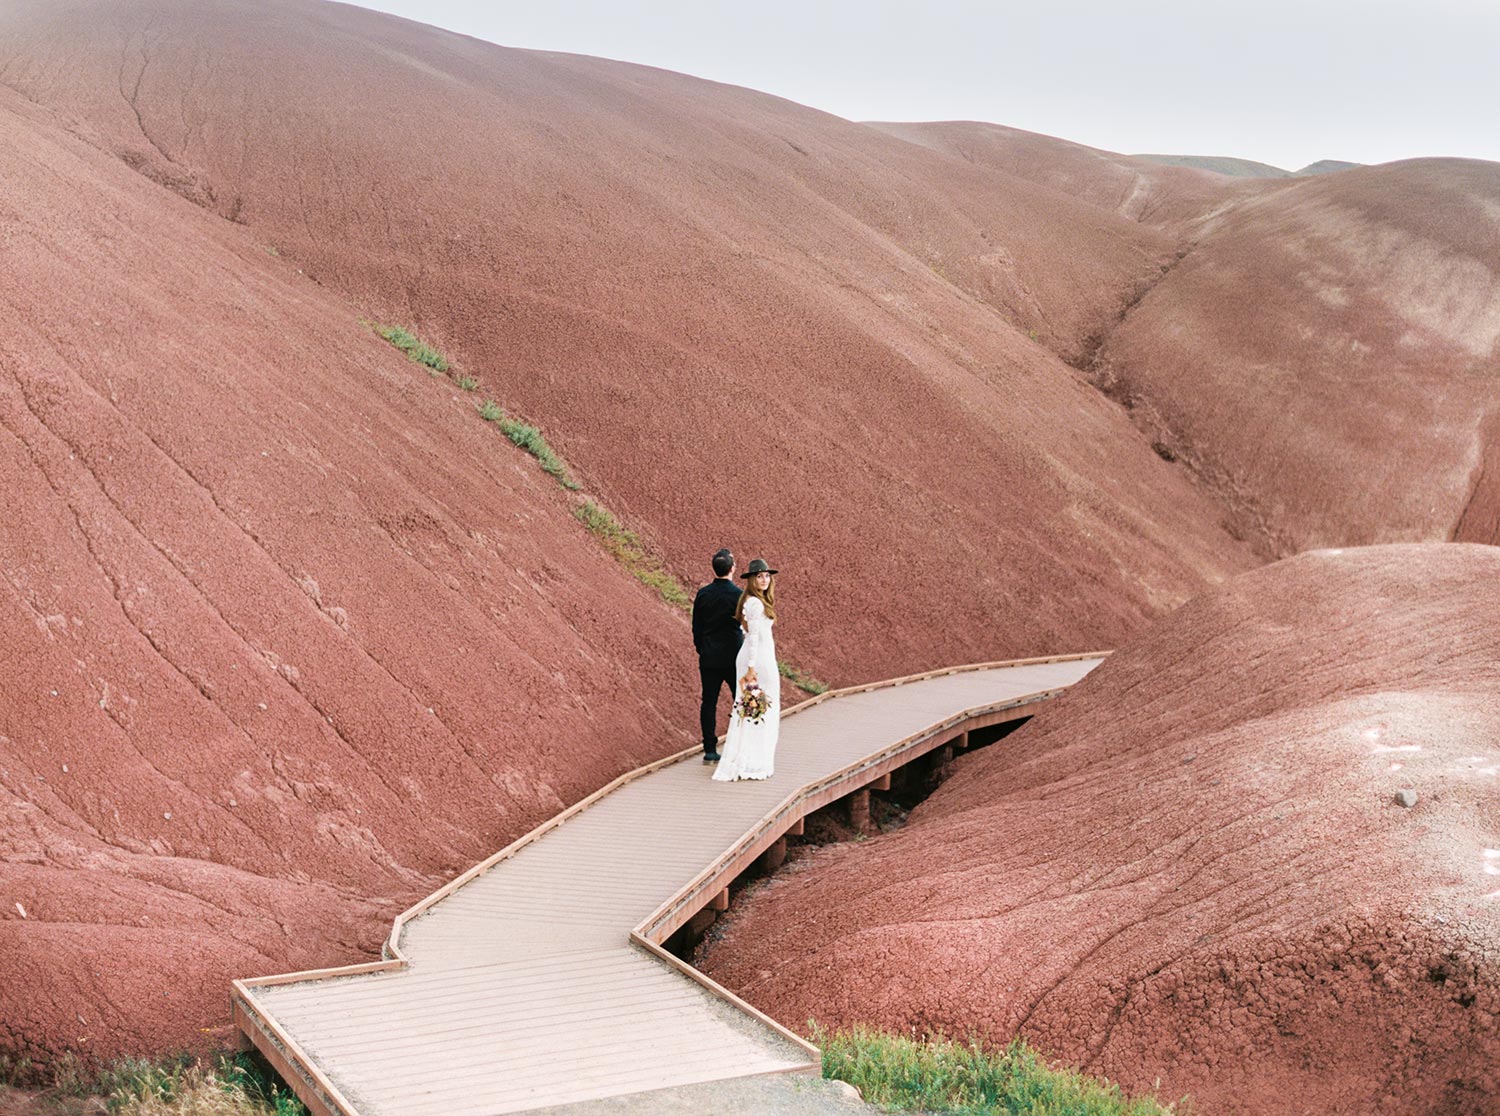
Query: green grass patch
point(468, 383)
point(229, 1085)
point(223, 1085)
point(72, 1076)
point(414, 347)
point(139, 1080)
point(630, 552)
point(942, 1076)
point(530, 439)
point(16, 1070)
point(801, 680)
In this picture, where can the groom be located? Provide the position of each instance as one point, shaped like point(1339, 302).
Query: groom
point(717, 636)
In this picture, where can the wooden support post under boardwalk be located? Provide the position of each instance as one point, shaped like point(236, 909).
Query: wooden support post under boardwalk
point(859, 810)
point(935, 766)
point(772, 858)
point(719, 902)
point(798, 828)
point(883, 783)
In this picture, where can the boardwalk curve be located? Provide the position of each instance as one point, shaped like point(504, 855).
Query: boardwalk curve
point(538, 978)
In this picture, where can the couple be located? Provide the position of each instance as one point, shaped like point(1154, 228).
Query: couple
point(732, 632)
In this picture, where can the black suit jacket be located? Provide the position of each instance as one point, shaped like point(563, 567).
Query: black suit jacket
point(716, 633)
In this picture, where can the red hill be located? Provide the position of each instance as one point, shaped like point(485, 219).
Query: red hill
point(1193, 869)
point(740, 319)
point(291, 635)
point(1323, 359)
point(319, 637)
point(1177, 199)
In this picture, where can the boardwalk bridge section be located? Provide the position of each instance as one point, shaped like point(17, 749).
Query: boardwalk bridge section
point(539, 977)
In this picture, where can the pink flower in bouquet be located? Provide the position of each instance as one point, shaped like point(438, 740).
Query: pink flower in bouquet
point(753, 705)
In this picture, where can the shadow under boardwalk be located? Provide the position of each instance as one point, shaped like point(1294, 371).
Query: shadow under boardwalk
point(538, 979)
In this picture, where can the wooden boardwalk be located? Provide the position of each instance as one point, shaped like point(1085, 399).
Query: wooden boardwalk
point(537, 978)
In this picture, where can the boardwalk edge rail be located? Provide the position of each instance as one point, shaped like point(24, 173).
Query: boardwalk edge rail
point(324, 1098)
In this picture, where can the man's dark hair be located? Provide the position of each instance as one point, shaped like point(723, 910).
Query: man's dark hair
point(723, 562)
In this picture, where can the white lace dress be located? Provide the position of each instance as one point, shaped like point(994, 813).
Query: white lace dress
point(750, 749)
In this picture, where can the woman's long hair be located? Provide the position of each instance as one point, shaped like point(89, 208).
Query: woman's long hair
point(768, 598)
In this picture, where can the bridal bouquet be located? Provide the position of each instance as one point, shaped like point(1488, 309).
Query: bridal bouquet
point(753, 704)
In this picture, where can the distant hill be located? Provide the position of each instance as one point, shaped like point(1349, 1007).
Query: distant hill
point(1324, 166)
point(1368, 350)
point(1170, 198)
point(1245, 168)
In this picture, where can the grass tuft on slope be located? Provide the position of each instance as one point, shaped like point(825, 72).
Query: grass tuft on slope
point(903, 1074)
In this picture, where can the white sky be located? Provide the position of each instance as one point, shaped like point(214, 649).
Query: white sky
point(1276, 81)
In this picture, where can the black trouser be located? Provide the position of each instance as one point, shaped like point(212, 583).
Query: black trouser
point(714, 673)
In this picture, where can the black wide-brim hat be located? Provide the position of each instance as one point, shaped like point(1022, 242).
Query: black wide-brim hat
point(757, 566)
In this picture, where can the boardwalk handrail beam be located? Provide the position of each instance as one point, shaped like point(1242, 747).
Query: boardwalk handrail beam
point(805, 799)
point(392, 947)
point(322, 1095)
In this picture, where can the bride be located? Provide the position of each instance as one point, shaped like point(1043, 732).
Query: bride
point(750, 748)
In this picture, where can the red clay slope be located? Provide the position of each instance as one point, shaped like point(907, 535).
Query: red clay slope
point(1180, 200)
point(288, 635)
point(743, 321)
point(1192, 867)
point(1324, 358)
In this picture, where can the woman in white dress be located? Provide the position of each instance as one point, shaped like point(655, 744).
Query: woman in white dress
point(750, 747)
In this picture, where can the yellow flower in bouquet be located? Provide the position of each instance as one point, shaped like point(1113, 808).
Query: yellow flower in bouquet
point(753, 705)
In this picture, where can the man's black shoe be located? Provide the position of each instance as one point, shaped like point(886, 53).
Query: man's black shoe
point(710, 757)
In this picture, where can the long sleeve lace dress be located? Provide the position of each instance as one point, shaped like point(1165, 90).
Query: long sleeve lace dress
point(750, 749)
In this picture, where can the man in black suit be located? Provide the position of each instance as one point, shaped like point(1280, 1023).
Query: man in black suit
point(717, 636)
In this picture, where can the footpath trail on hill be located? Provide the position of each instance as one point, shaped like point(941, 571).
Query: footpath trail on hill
point(538, 980)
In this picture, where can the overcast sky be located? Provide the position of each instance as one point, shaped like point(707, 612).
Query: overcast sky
point(1277, 81)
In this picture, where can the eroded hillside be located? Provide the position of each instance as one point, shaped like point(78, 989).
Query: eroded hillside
point(1192, 871)
point(1326, 358)
point(289, 634)
point(742, 320)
